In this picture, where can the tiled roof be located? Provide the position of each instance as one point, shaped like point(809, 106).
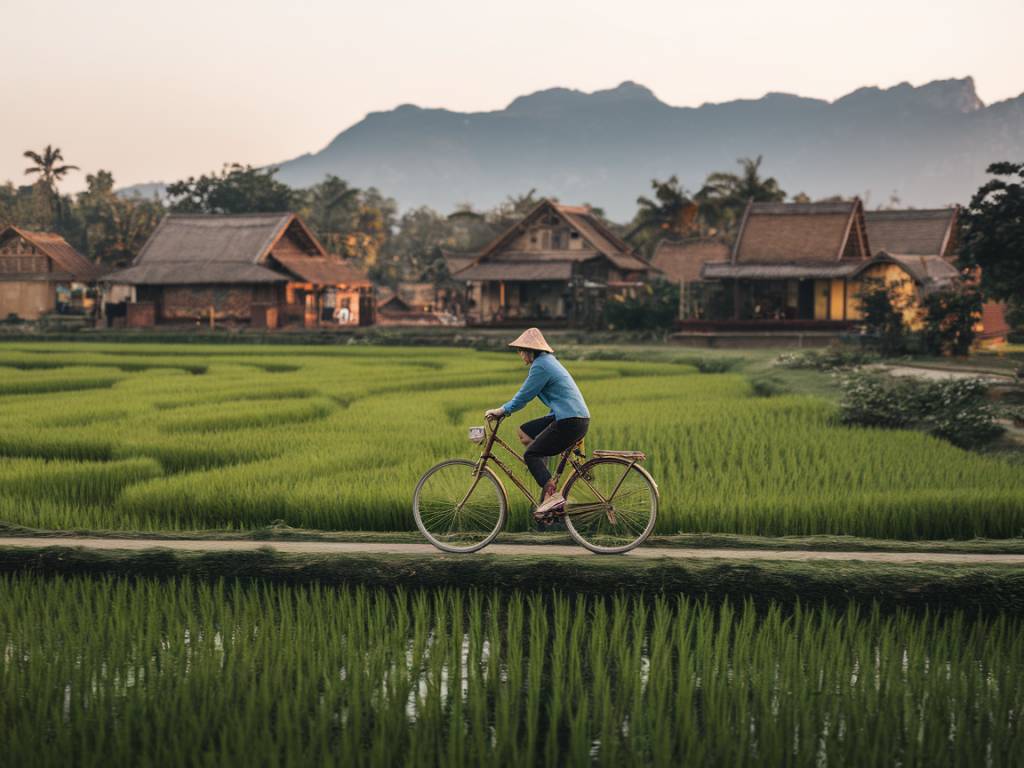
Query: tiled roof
point(924, 232)
point(69, 262)
point(526, 271)
point(681, 260)
point(930, 272)
point(605, 242)
point(322, 270)
point(602, 238)
point(723, 269)
point(789, 233)
point(575, 256)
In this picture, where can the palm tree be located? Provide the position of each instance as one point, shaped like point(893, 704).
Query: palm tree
point(672, 212)
point(724, 195)
point(46, 166)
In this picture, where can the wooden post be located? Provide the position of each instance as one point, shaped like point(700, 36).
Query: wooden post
point(213, 323)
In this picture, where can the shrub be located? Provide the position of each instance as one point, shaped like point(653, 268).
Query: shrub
point(656, 308)
point(833, 358)
point(716, 364)
point(881, 307)
point(954, 410)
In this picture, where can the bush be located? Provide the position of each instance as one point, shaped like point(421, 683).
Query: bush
point(827, 360)
point(716, 364)
point(954, 410)
point(881, 307)
point(656, 308)
point(949, 318)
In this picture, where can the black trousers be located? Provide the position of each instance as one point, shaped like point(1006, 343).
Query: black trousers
point(550, 438)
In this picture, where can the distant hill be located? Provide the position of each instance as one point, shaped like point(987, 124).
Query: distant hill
point(930, 144)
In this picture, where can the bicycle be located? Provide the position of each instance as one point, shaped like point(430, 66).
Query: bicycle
point(611, 503)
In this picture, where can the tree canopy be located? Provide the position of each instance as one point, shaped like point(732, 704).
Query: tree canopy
point(236, 189)
point(992, 234)
point(724, 196)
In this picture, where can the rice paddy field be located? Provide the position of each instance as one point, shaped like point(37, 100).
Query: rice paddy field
point(147, 437)
point(135, 672)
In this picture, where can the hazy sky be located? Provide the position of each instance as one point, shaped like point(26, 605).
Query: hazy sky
point(161, 90)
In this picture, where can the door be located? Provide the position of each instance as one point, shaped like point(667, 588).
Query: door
point(805, 300)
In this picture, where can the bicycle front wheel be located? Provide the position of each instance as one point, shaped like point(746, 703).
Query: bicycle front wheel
point(458, 510)
point(610, 506)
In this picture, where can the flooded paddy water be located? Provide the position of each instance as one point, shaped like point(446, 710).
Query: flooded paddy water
point(111, 668)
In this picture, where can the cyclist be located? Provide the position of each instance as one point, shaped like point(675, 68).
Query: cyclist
point(564, 426)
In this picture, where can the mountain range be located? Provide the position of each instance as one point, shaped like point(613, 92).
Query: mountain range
point(929, 145)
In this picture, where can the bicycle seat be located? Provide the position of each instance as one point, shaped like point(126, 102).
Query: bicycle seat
point(638, 455)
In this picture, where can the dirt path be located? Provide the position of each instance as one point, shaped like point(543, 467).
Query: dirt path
point(946, 374)
point(328, 548)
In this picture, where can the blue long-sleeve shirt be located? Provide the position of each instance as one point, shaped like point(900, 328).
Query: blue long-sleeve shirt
point(555, 387)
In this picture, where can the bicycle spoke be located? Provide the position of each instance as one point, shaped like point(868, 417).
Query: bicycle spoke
point(612, 507)
point(457, 509)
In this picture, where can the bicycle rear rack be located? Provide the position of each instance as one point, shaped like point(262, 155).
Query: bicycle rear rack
point(631, 455)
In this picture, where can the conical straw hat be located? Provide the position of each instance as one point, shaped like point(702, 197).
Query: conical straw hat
point(533, 339)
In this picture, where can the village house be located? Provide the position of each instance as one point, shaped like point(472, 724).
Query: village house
point(266, 270)
point(41, 274)
point(796, 272)
point(557, 266)
point(924, 242)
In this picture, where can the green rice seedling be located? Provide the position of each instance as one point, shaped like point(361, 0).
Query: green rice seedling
point(336, 439)
point(73, 482)
point(123, 672)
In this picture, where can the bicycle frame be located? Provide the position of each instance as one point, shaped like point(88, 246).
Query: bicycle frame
point(487, 454)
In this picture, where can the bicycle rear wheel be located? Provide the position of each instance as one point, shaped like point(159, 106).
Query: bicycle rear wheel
point(610, 505)
point(456, 510)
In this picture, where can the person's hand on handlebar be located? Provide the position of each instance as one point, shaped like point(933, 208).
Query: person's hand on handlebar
point(494, 413)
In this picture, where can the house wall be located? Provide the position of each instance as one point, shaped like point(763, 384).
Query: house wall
point(28, 300)
point(521, 299)
point(544, 236)
point(229, 302)
point(17, 255)
point(286, 246)
point(905, 288)
point(837, 300)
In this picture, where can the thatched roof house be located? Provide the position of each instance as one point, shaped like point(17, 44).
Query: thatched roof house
point(37, 270)
point(925, 243)
point(785, 241)
point(243, 267)
point(809, 262)
point(558, 264)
